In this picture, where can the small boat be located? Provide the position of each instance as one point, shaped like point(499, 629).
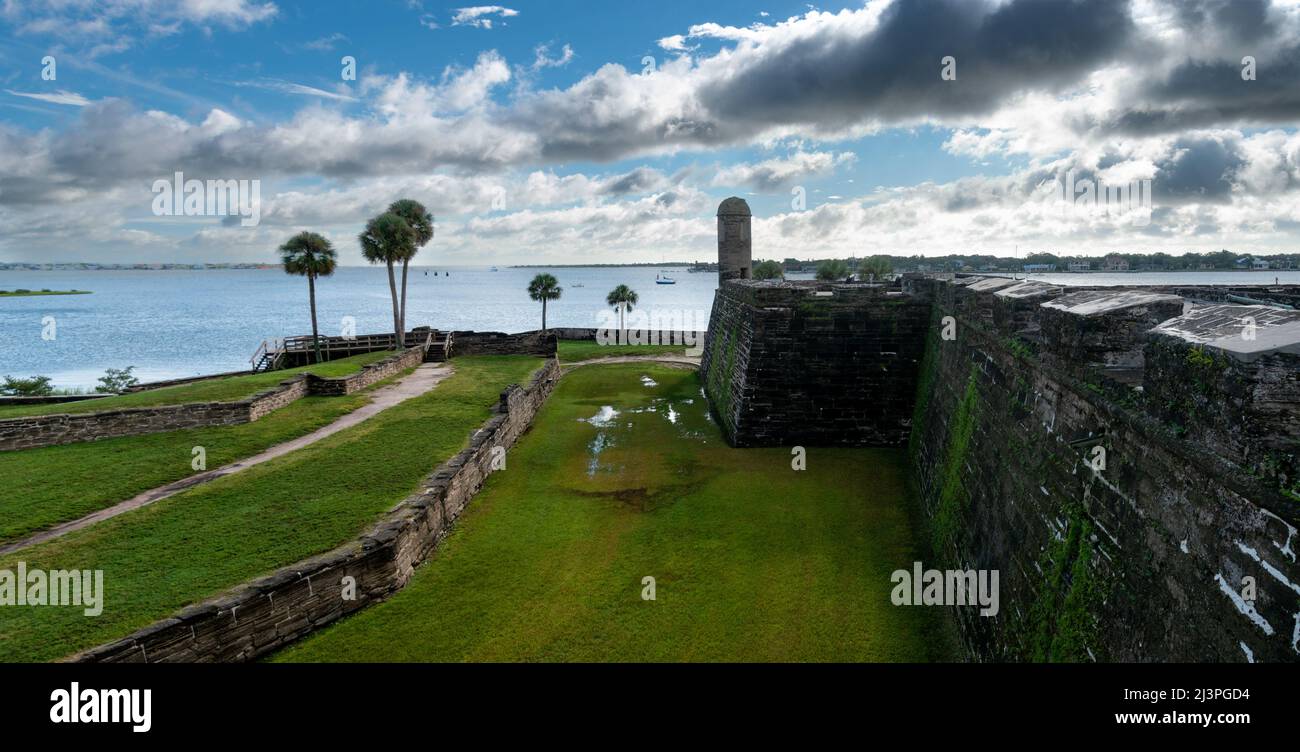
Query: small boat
point(495, 269)
point(663, 279)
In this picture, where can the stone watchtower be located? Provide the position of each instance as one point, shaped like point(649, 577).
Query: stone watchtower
point(735, 249)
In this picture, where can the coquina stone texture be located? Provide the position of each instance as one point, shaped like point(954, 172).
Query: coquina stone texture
point(268, 613)
point(813, 363)
point(1136, 490)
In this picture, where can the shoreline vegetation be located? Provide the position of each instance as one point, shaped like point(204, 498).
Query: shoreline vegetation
point(23, 293)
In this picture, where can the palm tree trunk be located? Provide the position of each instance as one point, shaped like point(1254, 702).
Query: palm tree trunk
point(402, 320)
point(397, 318)
point(543, 315)
point(622, 327)
point(315, 332)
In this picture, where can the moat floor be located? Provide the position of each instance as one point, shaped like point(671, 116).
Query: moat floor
point(623, 477)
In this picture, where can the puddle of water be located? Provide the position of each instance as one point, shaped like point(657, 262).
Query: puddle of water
point(598, 445)
point(603, 417)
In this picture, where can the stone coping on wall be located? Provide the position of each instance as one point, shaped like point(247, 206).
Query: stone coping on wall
point(1245, 332)
point(263, 615)
point(1097, 302)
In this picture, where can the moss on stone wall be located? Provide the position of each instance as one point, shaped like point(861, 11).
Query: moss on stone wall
point(953, 495)
point(924, 388)
point(1062, 624)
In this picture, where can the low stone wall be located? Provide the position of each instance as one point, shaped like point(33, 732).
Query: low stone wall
point(500, 343)
point(51, 430)
point(369, 374)
point(269, 613)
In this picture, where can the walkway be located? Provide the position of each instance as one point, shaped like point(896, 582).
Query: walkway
point(425, 377)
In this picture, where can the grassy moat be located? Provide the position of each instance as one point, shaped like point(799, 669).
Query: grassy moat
point(625, 476)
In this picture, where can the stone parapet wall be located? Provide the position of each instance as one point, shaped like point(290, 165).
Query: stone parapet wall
point(1122, 531)
point(268, 613)
point(500, 343)
point(369, 374)
point(812, 363)
point(52, 430)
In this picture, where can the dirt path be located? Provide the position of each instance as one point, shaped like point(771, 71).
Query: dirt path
point(678, 361)
point(425, 377)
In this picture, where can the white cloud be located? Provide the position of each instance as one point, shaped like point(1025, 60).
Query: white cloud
point(288, 87)
point(57, 97)
point(781, 172)
point(479, 16)
point(544, 60)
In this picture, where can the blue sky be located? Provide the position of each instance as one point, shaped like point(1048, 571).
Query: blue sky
point(548, 108)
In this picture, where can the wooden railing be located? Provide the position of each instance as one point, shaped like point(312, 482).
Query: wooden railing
point(273, 352)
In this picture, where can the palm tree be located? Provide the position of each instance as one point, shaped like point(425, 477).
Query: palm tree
point(311, 255)
point(388, 238)
point(421, 221)
point(622, 298)
point(544, 287)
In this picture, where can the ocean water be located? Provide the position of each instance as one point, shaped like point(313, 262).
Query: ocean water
point(172, 324)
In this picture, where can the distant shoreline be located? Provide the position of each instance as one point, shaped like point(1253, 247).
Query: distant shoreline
point(30, 293)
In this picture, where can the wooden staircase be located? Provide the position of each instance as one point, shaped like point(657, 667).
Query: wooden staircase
point(268, 356)
point(439, 347)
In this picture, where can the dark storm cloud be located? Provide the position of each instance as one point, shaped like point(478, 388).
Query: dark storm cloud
point(1199, 94)
point(1199, 170)
point(637, 181)
point(893, 73)
point(1243, 20)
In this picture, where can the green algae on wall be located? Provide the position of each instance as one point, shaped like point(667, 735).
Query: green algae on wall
point(1061, 621)
point(953, 496)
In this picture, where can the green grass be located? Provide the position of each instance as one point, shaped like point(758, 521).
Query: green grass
point(20, 293)
point(197, 544)
point(55, 484)
point(753, 561)
point(571, 351)
point(230, 389)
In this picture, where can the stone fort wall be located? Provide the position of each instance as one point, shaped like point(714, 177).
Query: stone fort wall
point(813, 363)
point(1122, 476)
point(1127, 460)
